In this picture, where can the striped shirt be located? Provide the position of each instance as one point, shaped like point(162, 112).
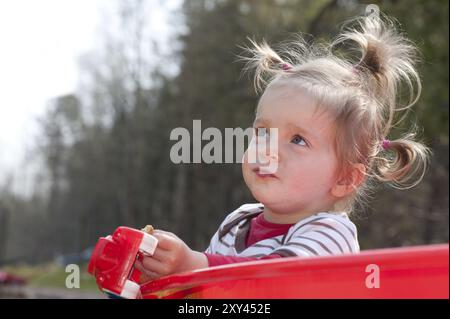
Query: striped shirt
point(321, 234)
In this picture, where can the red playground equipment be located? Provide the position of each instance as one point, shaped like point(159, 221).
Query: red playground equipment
point(416, 272)
point(112, 261)
point(413, 272)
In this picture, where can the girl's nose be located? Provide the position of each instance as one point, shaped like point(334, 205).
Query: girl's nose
point(268, 158)
point(267, 150)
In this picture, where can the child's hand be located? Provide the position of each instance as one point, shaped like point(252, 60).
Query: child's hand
point(171, 256)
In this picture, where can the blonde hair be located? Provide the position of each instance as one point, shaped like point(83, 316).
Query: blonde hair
point(363, 96)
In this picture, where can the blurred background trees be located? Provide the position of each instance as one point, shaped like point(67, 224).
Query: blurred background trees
point(104, 151)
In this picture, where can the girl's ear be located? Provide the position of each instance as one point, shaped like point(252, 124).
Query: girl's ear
point(347, 184)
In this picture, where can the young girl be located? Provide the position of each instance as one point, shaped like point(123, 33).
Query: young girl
point(333, 117)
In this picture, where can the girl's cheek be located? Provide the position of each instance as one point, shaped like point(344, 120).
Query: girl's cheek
point(245, 163)
point(250, 152)
point(245, 173)
point(245, 159)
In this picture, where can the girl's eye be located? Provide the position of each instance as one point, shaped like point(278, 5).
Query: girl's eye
point(297, 139)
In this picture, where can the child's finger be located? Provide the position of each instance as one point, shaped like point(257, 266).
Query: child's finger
point(153, 265)
point(160, 231)
point(161, 254)
point(145, 278)
point(146, 275)
point(165, 241)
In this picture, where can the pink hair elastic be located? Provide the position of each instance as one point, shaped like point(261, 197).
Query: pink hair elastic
point(386, 144)
point(286, 66)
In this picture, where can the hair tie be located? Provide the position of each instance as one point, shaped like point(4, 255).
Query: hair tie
point(286, 66)
point(386, 144)
point(355, 69)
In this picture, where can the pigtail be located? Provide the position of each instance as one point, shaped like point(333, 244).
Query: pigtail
point(265, 61)
point(403, 162)
point(387, 61)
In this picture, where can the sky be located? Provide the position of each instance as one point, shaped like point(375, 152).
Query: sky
point(40, 44)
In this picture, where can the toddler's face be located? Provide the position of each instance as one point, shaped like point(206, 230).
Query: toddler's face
point(306, 161)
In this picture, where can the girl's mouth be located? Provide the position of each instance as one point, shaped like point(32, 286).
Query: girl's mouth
point(262, 174)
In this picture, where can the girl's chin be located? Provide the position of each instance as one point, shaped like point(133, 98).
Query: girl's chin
point(262, 195)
